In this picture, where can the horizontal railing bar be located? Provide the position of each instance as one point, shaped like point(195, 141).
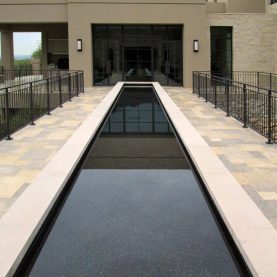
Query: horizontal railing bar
point(251, 100)
point(24, 103)
point(232, 81)
point(37, 81)
point(238, 71)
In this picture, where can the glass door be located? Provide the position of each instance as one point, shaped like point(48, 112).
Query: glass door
point(221, 51)
point(137, 53)
point(130, 52)
point(175, 59)
point(167, 49)
point(144, 65)
point(100, 55)
point(160, 53)
point(114, 63)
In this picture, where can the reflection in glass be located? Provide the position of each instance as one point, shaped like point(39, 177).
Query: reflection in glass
point(221, 51)
point(137, 112)
point(100, 56)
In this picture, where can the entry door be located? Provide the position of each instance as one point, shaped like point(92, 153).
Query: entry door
point(175, 56)
point(138, 53)
point(101, 60)
point(167, 51)
point(138, 63)
point(221, 51)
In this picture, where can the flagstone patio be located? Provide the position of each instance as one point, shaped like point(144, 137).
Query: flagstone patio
point(32, 147)
point(243, 151)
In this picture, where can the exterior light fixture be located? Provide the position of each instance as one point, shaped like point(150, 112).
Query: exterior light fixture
point(196, 45)
point(79, 45)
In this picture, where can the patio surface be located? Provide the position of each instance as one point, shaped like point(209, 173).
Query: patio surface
point(33, 146)
point(244, 152)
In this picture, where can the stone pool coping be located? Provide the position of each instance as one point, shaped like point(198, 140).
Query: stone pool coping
point(255, 237)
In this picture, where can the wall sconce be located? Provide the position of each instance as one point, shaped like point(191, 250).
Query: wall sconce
point(196, 45)
point(79, 45)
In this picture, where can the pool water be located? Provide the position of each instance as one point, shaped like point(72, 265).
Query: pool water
point(136, 208)
point(137, 135)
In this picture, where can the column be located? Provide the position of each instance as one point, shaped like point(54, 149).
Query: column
point(44, 44)
point(7, 49)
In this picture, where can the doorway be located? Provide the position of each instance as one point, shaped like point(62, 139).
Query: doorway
point(137, 53)
point(221, 51)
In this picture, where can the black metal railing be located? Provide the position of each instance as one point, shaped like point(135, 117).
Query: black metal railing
point(22, 104)
point(24, 67)
point(258, 79)
point(15, 77)
point(254, 106)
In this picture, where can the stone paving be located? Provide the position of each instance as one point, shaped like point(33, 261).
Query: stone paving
point(243, 151)
point(33, 146)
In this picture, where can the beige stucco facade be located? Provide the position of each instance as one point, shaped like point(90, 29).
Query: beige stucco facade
point(62, 22)
point(140, 14)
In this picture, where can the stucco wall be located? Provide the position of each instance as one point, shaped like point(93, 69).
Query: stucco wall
point(192, 16)
point(36, 13)
point(254, 40)
point(246, 6)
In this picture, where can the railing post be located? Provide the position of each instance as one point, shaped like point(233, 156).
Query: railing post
point(206, 86)
point(269, 117)
point(199, 93)
point(215, 95)
point(31, 105)
point(60, 91)
point(193, 82)
point(258, 81)
point(80, 83)
point(51, 81)
point(270, 81)
point(77, 84)
point(69, 86)
point(7, 115)
point(244, 106)
point(83, 81)
point(228, 99)
point(48, 96)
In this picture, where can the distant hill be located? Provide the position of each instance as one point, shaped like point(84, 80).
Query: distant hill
point(22, 57)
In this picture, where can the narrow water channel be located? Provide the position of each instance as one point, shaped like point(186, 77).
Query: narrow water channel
point(136, 208)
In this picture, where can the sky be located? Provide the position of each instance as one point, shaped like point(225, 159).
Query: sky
point(25, 43)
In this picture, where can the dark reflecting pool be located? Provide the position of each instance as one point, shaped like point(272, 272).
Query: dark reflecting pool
point(137, 135)
point(136, 208)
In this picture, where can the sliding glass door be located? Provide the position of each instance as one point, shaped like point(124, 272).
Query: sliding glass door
point(137, 53)
point(221, 51)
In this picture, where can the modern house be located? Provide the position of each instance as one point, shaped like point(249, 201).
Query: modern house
point(156, 40)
